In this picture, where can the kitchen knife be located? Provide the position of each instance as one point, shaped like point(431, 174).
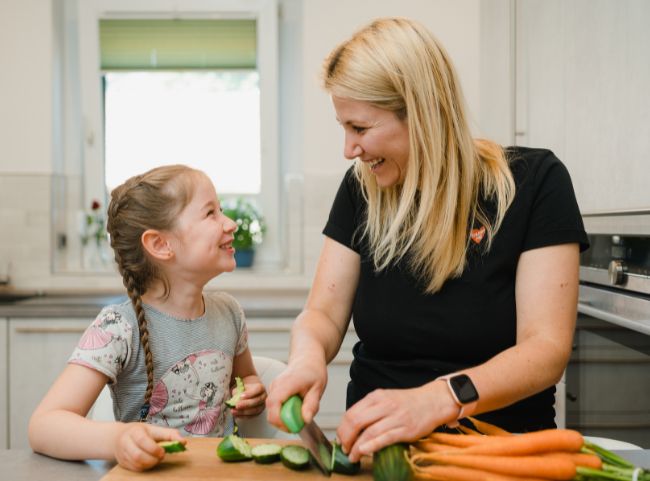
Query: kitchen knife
point(318, 445)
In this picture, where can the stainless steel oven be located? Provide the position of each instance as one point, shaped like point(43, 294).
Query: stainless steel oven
point(608, 377)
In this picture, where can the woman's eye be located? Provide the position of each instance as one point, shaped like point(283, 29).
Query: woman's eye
point(358, 130)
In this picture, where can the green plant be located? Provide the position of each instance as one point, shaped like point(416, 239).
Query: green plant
point(94, 225)
point(251, 225)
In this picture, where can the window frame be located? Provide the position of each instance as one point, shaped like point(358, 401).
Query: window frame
point(91, 93)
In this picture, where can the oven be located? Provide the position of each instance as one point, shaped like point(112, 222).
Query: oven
point(608, 376)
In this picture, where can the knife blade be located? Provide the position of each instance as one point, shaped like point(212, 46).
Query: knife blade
point(318, 445)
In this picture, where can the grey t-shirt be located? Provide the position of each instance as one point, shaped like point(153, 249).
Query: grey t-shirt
point(192, 358)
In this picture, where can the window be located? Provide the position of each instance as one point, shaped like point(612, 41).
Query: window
point(191, 82)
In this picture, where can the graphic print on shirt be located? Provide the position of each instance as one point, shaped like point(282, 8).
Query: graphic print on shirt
point(104, 341)
point(191, 393)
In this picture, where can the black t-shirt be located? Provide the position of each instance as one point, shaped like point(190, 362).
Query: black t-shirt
point(408, 337)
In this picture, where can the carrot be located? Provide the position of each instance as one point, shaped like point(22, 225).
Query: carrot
point(458, 440)
point(487, 428)
point(467, 430)
point(561, 468)
point(431, 447)
point(537, 442)
point(579, 459)
point(454, 473)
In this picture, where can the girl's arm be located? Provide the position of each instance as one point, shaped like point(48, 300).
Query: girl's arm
point(546, 292)
point(251, 402)
point(59, 428)
point(318, 331)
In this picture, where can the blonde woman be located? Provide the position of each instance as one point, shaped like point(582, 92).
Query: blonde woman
point(456, 258)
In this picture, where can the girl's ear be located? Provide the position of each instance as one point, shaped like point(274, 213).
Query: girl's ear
point(156, 245)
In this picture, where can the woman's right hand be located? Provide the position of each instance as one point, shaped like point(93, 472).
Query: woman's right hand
point(304, 376)
point(137, 447)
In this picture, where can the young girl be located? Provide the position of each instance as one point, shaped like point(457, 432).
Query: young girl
point(169, 354)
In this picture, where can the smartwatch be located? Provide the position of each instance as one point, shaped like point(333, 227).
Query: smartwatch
point(464, 392)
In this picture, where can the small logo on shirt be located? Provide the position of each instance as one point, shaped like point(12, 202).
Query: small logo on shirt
point(477, 234)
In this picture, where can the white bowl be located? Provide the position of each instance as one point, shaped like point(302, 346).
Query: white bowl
point(611, 444)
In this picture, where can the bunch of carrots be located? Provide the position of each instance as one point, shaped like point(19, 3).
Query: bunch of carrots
point(492, 454)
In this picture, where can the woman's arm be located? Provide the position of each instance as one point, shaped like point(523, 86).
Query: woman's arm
point(59, 428)
point(546, 292)
point(318, 331)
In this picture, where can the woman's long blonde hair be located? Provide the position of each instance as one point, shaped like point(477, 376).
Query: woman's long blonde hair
point(396, 64)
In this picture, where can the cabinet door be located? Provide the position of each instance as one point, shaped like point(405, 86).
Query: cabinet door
point(38, 351)
point(4, 429)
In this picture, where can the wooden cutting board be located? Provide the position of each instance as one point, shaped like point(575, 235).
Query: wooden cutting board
point(200, 462)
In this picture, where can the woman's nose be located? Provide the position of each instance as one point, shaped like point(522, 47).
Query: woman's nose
point(351, 149)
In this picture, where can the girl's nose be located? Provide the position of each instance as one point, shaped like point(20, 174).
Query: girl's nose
point(351, 149)
point(229, 225)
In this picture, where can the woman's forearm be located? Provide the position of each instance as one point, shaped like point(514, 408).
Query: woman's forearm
point(314, 335)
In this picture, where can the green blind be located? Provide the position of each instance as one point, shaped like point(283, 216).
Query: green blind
point(177, 44)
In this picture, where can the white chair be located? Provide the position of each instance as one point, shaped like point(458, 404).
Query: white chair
point(267, 369)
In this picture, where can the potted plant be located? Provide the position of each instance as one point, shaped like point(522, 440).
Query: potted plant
point(251, 228)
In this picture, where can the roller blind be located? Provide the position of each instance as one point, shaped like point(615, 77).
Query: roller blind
point(177, 44)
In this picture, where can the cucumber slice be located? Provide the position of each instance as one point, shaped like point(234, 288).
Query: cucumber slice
point(233, 449)
point(266, 453)
point(239, 389)
point(340, 462)
point(172, 446)
point(291, 414)
point(295, 457)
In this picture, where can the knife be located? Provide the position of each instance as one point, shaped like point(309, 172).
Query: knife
point(318, 445)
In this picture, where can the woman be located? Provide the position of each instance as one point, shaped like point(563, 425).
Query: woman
point(453, 256)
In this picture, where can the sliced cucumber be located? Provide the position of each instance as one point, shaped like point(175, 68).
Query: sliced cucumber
point(233, 449)
point(172, 446)
point(340, 462)
point(266, 453)
point(239, 389)
point(390, 464)
point(295, 457)
point(291, 414)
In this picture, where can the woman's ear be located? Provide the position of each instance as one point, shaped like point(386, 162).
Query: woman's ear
point(156, 245)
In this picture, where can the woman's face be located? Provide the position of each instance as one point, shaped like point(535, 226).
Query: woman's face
point(375, 136)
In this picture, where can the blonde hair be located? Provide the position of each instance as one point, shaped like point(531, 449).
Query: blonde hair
point(396, 64)
point(152, 200)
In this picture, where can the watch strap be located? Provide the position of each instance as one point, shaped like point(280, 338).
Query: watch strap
point(464, 409)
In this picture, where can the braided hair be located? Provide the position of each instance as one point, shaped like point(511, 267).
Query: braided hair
point(152, 200)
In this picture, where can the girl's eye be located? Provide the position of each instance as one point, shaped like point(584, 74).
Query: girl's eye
point(210, 212)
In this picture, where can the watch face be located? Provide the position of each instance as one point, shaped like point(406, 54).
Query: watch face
point(464, 388)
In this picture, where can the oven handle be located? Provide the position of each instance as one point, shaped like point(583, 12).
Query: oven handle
point(585, 308)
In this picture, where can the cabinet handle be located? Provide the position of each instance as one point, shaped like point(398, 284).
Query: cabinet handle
point(49, 330)
point(571, 397)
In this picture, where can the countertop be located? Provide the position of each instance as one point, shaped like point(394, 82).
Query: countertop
point(256, 303)
point(24, 465)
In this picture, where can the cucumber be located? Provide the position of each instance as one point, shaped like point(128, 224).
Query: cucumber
point(233, 449)
point(291, 414)
point(295, 457)
point(239, 389)
point(390, 464)
point(340, 462)
point(266, 453)
point(172, 446)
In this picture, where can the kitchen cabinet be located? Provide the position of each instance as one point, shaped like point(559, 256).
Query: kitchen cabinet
point(4, 442)
point(38, 351)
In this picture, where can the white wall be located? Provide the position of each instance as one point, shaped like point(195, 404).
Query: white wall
point(312, 146)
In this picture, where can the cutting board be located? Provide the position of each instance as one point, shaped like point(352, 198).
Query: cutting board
point(200, 462)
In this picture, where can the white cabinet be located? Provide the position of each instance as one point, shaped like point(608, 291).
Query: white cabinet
point(38, 351)
point(4, 433)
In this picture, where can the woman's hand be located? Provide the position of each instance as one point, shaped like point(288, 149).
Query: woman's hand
point(137, 446)
point(388, 416)
point(306, 377)
point(251, 401)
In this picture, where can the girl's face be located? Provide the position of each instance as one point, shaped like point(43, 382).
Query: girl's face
point(375, 136)
point(203, 235)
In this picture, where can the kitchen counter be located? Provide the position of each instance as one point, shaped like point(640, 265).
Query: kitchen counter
point(256, 303)
point(24, 465)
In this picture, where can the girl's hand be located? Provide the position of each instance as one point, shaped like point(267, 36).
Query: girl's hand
point(388, 416)
point(137, 446)
point(305, 377)
point(251, 402)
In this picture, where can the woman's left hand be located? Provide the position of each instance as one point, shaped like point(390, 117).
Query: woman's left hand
point(251, 402)
point(388, 416)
